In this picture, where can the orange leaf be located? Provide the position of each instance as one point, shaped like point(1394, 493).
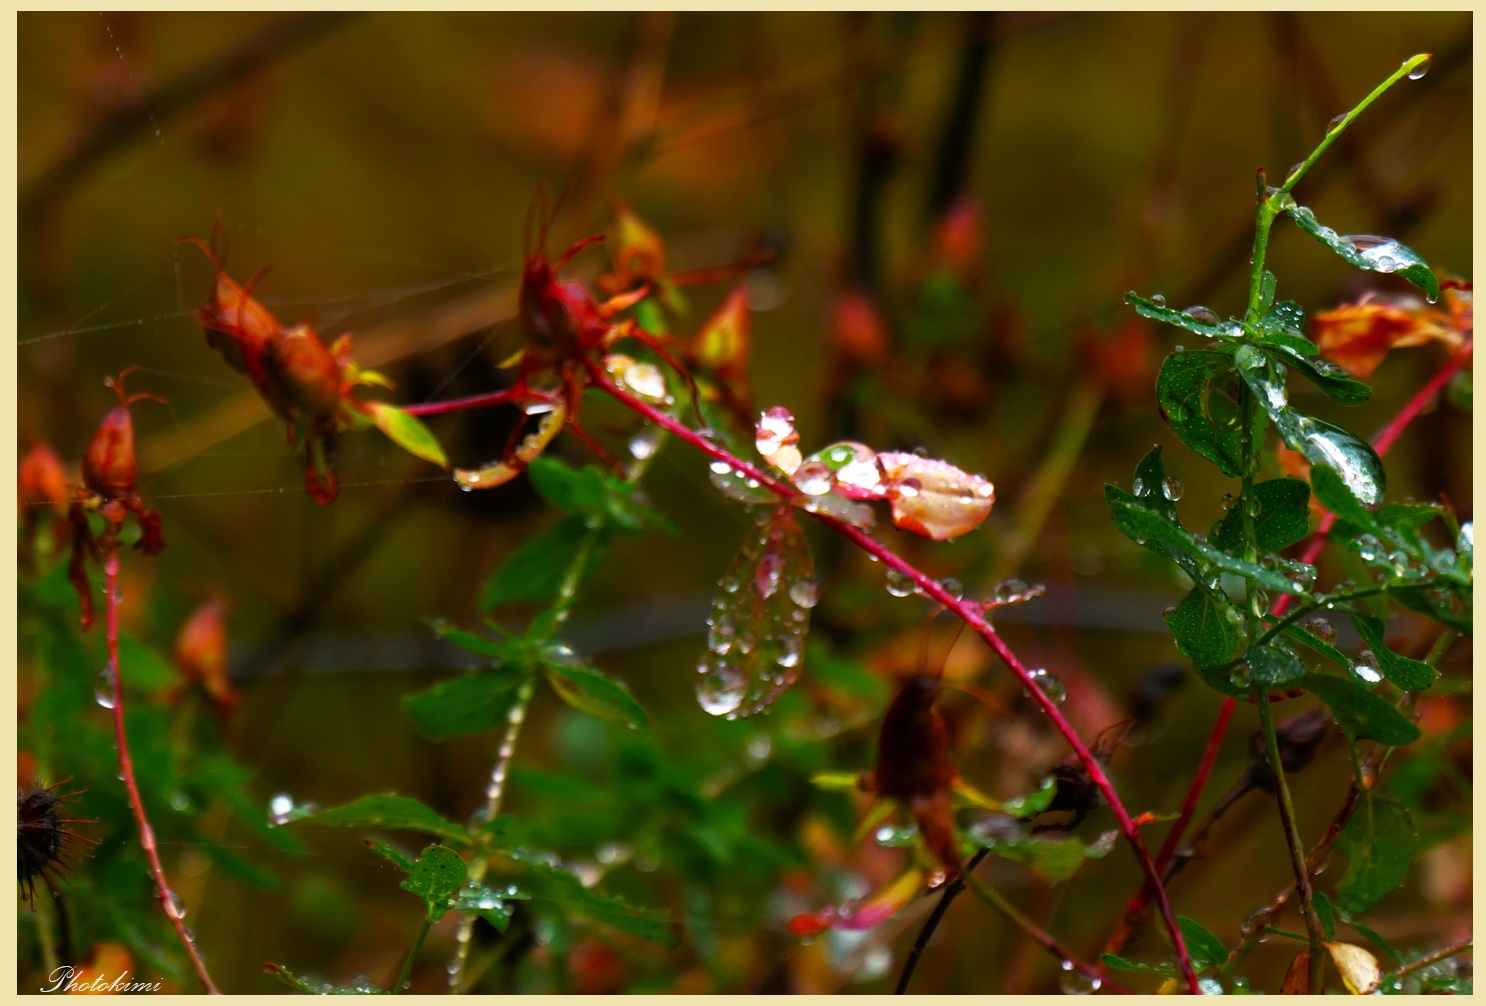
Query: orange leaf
point(1358, 336)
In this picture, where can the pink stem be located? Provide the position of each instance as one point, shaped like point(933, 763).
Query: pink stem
point(126, 769)
point(1385, 439)
point(969, 612)
point(460, 404)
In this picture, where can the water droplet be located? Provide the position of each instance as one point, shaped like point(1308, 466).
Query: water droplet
point(790, 649)
point(720, 638)
point(646, 380)
point(1172, 488)
point(1368, 548)
point(920, 452)
point(746, 642)
point(952, 587)
point(1365, 667)
point(776, 426)
point(814, 479)
point(909, 487)
point(805, 593)
point(103, 690)
point(1158, 300)
point(174, 907)
point(718, 467)
point(179, 801)
point(1010, 591)
point(1073, 982)
point(1210, 986)
point(1139, 487)
point(643, 444)
point(1050, 685)
point(1336, 121)
point(1202, 315)
point(1241, 676)
point(728, 584)
point(1321, 629)
point(898, 585)
point(759, 749)
point(721, 688)
point(1420, 70)
point(1168, 611)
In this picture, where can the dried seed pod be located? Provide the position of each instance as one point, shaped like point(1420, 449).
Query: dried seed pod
point(47, 843)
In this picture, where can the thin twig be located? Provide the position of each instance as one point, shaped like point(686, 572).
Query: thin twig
point(966, 610)
point(1434, 958)
point(951, 891)
point(147, 842)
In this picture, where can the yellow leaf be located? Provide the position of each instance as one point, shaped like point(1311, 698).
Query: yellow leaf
point(1359, 968)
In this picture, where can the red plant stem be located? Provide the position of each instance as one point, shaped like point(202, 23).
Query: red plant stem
point(1385, 439)
point(126, 769)
point(460, 404)
point(968, 612)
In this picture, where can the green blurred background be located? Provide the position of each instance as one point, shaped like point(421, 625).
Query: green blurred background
point(383, 165)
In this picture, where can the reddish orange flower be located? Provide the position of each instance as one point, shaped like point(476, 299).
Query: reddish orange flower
point(201, 654)
point(1358, 336)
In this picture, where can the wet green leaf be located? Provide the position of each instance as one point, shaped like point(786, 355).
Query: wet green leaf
point(384, 810)
point(1271, 665)
point(406, 431)
point(437, 874)
point(1325, 912)
point(1229, 329)
point(488, 903)
point(468, 705)
point(1283, 518)
point(1052, 859)
point(1360, 712)
point(1447, 603)
point(1379, 844)
point(506, 650)
point(535, 571)
point(596, 494)
point(1033, 803)
point(1366, 251)
point(1196, 391)
point(387, 852)
point(1405, 672)
point(550, 883)
point(1300, 635)
point(1148, 527)
point(1205, 632)
point(1123, 964)
point(590, 691)
point(1204, 948)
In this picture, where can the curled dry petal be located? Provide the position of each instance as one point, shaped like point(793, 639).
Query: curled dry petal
point(934, 498)
point(503, 471)
point(1358, 967)
point(1358, 336)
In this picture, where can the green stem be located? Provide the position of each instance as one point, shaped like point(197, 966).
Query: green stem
point(407, 966)
point(1294, 841)
point(1272, 202)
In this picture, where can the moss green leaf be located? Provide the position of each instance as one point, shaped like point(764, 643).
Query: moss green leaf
point(406, 431)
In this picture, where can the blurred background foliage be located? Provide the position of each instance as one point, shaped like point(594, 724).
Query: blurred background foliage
point(958, 203)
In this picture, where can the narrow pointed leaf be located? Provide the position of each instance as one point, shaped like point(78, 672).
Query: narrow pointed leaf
point(1360, 712)
point(1375, 254)
point(590, 691)
point(1196, 391)
point(1407, 673)
point(1146, 308)
point(1379, 842)
point(384, 810)
point(406, 431)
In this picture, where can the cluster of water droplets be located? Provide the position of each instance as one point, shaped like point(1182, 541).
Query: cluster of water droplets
point(1014, 591)
point(1391, 561)
point(759, 620)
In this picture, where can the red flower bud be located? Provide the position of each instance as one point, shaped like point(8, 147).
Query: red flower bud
point(307, 376)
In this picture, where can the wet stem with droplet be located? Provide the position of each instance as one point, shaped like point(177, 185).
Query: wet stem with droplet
point(567, 593)
point(167, 897)
point(968, 612)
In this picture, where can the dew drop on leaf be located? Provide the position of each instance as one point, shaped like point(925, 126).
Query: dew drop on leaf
point(643, 444)
point(1365, 667)
point(805, 593)
point(1199, 313)
point(1419, 71)
point(813, 478)
point(1158, 300)
point(1172, 488)
point(1321, 629)
point(646, 380)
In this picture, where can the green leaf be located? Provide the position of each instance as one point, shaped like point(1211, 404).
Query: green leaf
point(1326, 912)
point(1052, 859)
point(1034, 803)
point(406, 431)
point(1448, 604)
point(1205, 632)
point(1204, 948)
point(592, 492)
point(1366, 251)
point(551, 883)
point(437, 874)
point(505, 650)
point(1283, 518)
point(589, 691)
point(1309, 639)
point(384, 810)
point(1360, 712)
point(1407, 673)
point(143, 667)
point(387, 852)
point(535, 571)
point(1146, 526)
point(1271, 665)
point(488, 903)
point(1379, 843)
point(467, 705)
point(1331, 378)
point(1197, 393)
point(1230, 329)
point(1122, 964)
